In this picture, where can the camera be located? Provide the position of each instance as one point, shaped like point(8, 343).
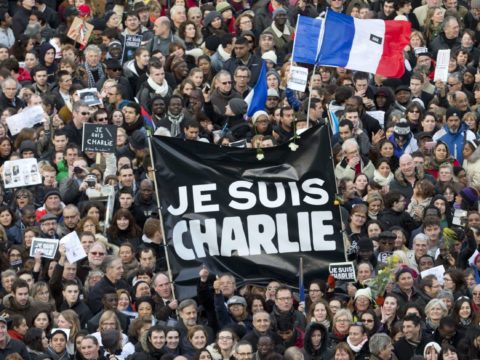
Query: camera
point(91, 180)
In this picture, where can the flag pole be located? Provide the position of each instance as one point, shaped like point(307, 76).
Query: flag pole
point(310, 95)
point(344, 234)
point(319, 48)
point(160, 216)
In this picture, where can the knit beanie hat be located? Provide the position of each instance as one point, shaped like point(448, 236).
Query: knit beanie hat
point(402, 128)
point(257, 114)
point(223, 6)
point(271, 56)
point(210, 17)
point(363, 292)
point(469, 195)
point(452, 111)
point(278, 12)
point(238, 106)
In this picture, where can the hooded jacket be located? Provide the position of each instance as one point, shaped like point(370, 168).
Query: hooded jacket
point(311, 353)
point(51, 69)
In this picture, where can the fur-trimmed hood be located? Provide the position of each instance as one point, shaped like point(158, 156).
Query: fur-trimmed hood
point(419, 175)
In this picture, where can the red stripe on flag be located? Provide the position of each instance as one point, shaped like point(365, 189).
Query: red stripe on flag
point(397, 36)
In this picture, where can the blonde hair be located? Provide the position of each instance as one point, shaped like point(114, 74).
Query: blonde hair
point(436, 302)
point(109, 315)
point(72, 317)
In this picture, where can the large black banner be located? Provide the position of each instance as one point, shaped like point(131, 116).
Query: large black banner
point(224, 208)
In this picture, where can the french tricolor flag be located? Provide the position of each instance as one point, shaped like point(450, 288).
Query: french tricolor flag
point(373, 46)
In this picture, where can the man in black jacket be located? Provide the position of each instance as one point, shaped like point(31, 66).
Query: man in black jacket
point(112, 281)
point(71, 296)
point(413, 342)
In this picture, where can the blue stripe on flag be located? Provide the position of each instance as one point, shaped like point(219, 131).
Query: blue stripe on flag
point(305, 45)
point(257, 97)
point(337, 40)
point(334, 123)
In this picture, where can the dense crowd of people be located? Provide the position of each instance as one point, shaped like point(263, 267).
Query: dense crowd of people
point(407, 164)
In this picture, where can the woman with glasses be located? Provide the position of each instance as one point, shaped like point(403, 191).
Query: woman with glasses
point(414, 114)
point(454, 281)
point(316, 291)
point(41, 292)
point(370, 322)
point(224, 346)
point(340, 326)
point(15, 257)
point(356, 228)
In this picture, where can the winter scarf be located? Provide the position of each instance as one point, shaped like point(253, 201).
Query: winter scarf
point(159, 89)
point(175, 120)
point(91, 78)
point(356, 348)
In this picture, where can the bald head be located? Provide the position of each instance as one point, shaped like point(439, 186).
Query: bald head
point(407, 166)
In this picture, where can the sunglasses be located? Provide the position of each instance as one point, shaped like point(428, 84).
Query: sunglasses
point(84, 113)
point(367, 320)
point(94, 253)
point(117, 70)
point(226, 82)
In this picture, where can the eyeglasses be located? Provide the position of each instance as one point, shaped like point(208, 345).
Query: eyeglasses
point(226, 82)
point(102, 118)
point(94, 253)
point(22, 196)
point(450, 84)
point(244, 354)
point(116, 70)
point(343, 321)
point(367, 320)
point(225, 338)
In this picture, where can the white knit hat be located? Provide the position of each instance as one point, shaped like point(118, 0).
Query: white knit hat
point(271, 56)
point(257, 114)
point(364, 292)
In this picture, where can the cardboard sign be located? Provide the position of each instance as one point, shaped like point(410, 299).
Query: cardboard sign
point(441, 67)
point(74, 250)
point(27, 118)
point(47, 247)
point(130, 45)
point(99, 138)
point(90, 96)
point(438, 271)
point(343, 271)
point(80, 31)
point(298, 78)
point(22, 172)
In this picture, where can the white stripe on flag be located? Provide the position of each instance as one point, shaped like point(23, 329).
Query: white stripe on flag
point(366, 51)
